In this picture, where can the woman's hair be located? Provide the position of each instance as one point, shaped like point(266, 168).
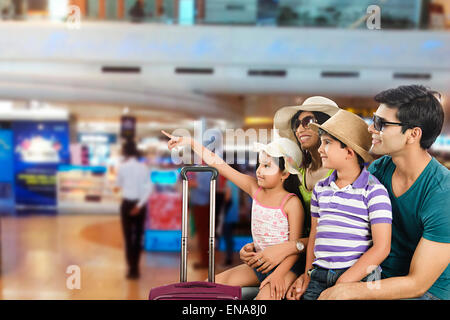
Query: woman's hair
point(307, 159)
point(416, 106)
point(129, 149)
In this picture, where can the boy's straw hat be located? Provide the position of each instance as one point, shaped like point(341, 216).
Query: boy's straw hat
point(351, 130)
point(282, 118)
point(286, 148)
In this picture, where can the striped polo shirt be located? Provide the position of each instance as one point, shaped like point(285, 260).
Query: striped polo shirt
point(345, 217)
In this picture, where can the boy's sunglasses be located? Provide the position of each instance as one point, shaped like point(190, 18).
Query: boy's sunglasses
point(304, 122)
point(379, 123)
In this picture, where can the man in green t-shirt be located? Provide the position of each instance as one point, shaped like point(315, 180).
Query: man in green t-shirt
point(406, 124)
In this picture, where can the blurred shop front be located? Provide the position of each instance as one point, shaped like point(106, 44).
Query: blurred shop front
point(54, 163)
point(44, 170)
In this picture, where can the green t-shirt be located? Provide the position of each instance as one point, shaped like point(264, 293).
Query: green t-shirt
point(422, 211)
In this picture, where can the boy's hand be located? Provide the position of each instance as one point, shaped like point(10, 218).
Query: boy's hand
point(176, 141)
point(277, 285)
point(298, 288)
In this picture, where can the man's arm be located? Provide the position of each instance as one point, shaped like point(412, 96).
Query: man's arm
point(429, 261)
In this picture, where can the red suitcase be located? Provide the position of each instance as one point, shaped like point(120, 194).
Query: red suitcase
point(196, 290)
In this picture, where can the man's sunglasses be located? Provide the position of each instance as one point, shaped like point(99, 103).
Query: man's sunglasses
point(379, 123)
point(304, 122)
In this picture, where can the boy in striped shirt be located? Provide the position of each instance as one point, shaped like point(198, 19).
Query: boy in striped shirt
point(351, 212)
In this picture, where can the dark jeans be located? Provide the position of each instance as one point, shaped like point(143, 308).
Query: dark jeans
point(322, 279)
point(133, 229)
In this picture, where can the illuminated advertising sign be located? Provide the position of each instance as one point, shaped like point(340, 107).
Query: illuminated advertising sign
point(7, 171)
point(39, 148)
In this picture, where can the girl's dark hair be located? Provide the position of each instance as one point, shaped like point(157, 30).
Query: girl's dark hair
point(292, 183)
point(307, 159)
point(129, 149)
point(417, 107)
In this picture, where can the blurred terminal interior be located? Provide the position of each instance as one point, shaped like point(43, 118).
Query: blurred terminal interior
point(77, 76)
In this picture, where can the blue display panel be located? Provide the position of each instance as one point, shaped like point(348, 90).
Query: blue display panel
point(39, 148)
point(7, 170)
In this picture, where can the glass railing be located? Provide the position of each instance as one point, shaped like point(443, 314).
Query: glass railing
point(349, 14)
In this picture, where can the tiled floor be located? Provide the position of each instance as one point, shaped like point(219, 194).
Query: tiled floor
point(36, 252)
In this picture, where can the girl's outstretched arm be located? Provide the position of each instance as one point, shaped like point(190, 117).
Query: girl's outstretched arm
point(246, 183)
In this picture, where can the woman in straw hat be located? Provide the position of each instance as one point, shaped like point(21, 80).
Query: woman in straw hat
point(292, 122)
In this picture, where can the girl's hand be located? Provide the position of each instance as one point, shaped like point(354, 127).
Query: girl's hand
point(176, 141)
point(270, 257)
point(277, 285)
point(247, 252)
point(298, 288)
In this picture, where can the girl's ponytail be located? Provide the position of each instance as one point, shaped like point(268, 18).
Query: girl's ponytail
point(292, 183)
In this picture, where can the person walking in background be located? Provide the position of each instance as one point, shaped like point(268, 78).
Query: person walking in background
point(137, 12)
point(133, 178)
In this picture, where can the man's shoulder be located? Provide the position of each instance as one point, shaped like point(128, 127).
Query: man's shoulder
point(380, 164)
point(440, 174)
point(373, 183)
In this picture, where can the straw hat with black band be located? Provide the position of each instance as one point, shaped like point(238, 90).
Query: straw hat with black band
point(351, 130)
point(282, 118)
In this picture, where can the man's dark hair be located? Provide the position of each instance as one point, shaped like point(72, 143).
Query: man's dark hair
point(417, 107)
point(129, 149)
point(343, 145)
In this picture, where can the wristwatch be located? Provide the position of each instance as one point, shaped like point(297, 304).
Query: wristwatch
point(299, 245)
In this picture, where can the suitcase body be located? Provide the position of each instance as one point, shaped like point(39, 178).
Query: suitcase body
point(196, 290)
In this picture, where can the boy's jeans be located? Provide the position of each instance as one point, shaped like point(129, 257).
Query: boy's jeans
point(322, 279)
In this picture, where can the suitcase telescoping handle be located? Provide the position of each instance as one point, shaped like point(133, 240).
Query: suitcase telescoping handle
point(184, 220)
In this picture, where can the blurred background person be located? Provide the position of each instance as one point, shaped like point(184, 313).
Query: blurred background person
point(133, 178)
point(137, 12)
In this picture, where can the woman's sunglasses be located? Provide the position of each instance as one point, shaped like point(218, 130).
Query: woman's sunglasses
point(379, 123)
point(304, 122)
